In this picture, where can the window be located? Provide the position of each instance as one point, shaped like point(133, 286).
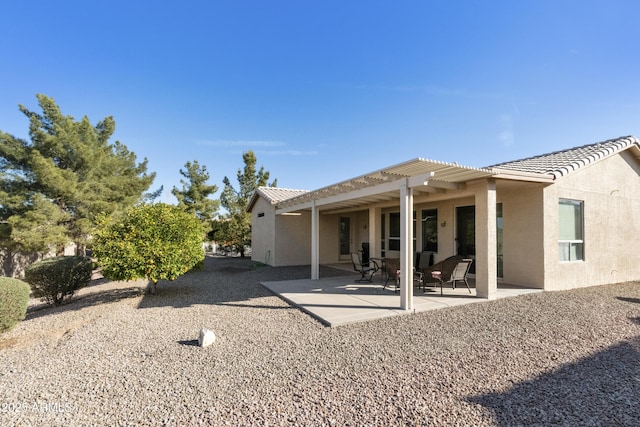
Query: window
point(394, 231)
point(571, 230)
point(430, 230)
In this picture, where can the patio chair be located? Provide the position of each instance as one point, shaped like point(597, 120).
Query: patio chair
point(446, 266)
point(424, 260)
point(365, 271)
point(452, 275)
point(392, 269)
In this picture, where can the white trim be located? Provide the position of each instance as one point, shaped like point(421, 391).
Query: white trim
point(315, 244)
point(406, 244)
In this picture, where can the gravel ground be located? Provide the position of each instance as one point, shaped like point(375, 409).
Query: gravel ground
point(115, 356)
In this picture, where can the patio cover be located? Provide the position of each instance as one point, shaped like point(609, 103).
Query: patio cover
point(395, 183)
point(422, 175)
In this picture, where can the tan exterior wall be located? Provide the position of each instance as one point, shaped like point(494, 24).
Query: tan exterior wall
point(330, 235)
point(329, 239)
point(279, 240)
point(293, 239)
point(523, 235)
point(263, 232)
point(610, 190)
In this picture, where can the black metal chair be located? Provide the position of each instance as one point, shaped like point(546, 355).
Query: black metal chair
point(366, 271)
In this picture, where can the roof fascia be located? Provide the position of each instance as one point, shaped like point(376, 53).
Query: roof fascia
point(522, 176)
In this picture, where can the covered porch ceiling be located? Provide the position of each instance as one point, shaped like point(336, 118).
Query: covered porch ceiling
point(423, 176)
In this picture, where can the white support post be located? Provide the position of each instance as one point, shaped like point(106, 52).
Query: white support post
point(406, 246)
point(374, 232)
point(486, 241)
point(315, 242)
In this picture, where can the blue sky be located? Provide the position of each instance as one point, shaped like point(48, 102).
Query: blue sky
point(326, 90)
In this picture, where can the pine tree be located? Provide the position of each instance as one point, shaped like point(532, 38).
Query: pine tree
point(194, 196)
point(53, 187)
point(235, 229)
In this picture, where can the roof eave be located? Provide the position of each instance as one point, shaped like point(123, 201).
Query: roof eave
point(514, 175)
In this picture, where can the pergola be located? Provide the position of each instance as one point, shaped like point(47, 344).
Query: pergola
point(401, 184)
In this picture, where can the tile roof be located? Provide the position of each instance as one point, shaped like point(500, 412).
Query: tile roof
point(274, 194)
point(547, 167)
point(561, 163)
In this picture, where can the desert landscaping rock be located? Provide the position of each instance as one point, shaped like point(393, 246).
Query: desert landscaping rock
point(117, 356)
point(206, 337)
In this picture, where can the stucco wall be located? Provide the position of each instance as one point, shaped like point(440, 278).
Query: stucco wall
point(293, 239)
point(263, 232)
point(329, 239)
point(523, 235)
point(610, 190)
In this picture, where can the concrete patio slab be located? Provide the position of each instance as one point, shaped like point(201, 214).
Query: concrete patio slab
point(337, 301)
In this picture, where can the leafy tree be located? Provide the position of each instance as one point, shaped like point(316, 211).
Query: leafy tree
point(152, 241)
point(53, 187)
point(235, 228)
point(194, 196)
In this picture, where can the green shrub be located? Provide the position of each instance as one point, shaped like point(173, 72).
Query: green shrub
point(54, 279)
point(14, 297)
point(153, 241)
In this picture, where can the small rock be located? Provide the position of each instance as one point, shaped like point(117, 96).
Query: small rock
point(206, 338)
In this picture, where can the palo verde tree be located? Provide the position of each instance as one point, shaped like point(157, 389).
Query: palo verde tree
point(53, 187)
point(235, 228)
point(194, 196)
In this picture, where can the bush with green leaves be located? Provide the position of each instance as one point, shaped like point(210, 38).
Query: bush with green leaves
point(152, 241)
point(14, 297)
point(54, 279)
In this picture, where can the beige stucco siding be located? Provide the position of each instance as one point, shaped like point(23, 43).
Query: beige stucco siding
point(523, 235)
point(330, 234)
point(262, 231)
point(279, 240)
point(610, 190)
point(293, 239)
point(328, 239)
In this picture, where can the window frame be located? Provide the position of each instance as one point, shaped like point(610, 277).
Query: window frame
point(571, 249)
point(394, 231)
point(394, 226)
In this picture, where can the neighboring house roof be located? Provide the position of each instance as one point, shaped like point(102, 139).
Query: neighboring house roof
point(561, 163)
point(274, 195)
